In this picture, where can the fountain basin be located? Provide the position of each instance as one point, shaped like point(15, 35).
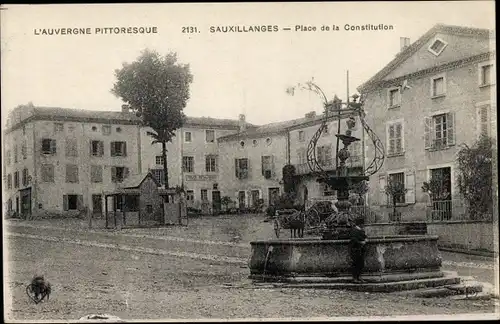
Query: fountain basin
point(388, 258)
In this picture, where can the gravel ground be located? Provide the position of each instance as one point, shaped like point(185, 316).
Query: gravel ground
point(131, 285)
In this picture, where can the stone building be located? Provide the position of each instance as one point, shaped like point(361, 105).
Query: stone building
point(436, 94)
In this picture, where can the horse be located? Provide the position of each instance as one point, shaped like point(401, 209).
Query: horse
point(297, 222)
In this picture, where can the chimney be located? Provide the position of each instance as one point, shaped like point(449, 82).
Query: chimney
point(404, 43)
point(125, 109)
point(242, 123)
point(311, 115)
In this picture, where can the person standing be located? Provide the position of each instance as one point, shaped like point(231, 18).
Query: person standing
point(357, 250)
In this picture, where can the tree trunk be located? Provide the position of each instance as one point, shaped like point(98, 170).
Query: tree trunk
point(165, 168)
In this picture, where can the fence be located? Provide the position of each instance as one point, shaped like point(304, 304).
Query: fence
point(452, 210)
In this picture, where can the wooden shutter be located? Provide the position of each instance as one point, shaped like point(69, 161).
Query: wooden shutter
point(112, 148)
point(410, 187)
point(450, 118)
point(65, 202)
point(428, 131)
point(113, 174)
point(90, 151)
point(53, 147)
point(79, 202)
point(382, 180)
point(273, 169)
point(236, 169)
point(263, 165)
point(125, 172)
point(398, 137)
point(124, 146)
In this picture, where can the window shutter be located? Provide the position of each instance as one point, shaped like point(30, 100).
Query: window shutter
point(101, 148)
point(451, 128)
point(113, 174)
point(262, 164)
point(410, 186)
point(382, 180)
point(125, 172)
point(273, 170)
point(236, 173)
point(124, 148)
point(79, 202)
point(65, 202)
point(90, 151)
point(53, 146)
point(248, 169)
point(428, 132)
point(112, 148)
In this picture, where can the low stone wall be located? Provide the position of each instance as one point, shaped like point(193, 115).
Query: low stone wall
point(468, 235)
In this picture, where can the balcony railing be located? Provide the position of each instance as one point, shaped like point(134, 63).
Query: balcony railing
point(452, 210)
point(352, 162)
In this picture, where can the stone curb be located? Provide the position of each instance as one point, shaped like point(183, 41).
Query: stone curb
point(488, 254)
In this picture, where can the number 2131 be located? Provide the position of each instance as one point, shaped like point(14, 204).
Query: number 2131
point(190, 30)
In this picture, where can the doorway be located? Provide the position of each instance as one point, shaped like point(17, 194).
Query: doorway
point(96, 206)
point(274, 194)
point(216, 201)
point(26, 202)
point(241, 199)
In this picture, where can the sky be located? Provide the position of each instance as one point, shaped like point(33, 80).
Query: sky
point(233, 73)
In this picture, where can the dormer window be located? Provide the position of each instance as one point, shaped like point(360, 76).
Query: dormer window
point(437, 46)
point(394, 97)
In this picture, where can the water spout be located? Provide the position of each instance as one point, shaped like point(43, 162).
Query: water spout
point(269, 250)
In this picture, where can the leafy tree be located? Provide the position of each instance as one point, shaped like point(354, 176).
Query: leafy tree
point(395, 190)
point(226, 201)
point(359, 190)
point(475, 176)
point(156, 87)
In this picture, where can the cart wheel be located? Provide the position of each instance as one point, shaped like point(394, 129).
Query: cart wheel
point(277, 228)
point(313, 218)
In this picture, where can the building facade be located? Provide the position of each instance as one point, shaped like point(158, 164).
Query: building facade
point(438, 93)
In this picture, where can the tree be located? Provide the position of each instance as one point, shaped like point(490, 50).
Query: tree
point(475, 176)
point(156, 88)
point(359, 190)
point(226, 201)
point(436, 188)
point(395, 190)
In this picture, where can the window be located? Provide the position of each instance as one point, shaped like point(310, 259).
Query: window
point(72, 173)
point(439, 131)
point(58, 127)
point(483, 120)
point(268, 141)
point(242, 144)
point(25, 177)
point(72, 202)
point(209, 136)
point(187, 137)
point(438, 86)
point(255, 142)
point(437, 46)
point(71, 128)
point(71, 147)
point(24, 152)
point(302, 136)
point(149, 209)
point(190, 195)
point(398, 178)
point(96, 173)
point(15, 154)
point(241, 168)
point(118, 149)
point(267, 167)
point(96, 148)
point(188, 164)
point(159, 175)
point(94, 129)
point(394, 97)
point(118, 129)
point(47, 173)
point(327, 190)
point(48, 146)
point(204, 194)
point(159, 160)
point(324, 155)
point(118, 174)
point(301, 156)
point(486, 74)
point(106, 129)
point(9, 181)
point(211, 163)
point(395, 138)
point(132, 203)
point(16, 179)
point(7, 157)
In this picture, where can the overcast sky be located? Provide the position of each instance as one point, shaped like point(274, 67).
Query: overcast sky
point(234, 72)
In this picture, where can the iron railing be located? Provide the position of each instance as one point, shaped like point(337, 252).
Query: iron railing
point(452, 210)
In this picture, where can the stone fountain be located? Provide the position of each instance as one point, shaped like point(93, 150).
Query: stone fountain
point(391, 262)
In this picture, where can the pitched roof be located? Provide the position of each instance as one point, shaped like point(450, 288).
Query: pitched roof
point(410, 50)
point(135, 181)
point(272, 128)
point(209, 121)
